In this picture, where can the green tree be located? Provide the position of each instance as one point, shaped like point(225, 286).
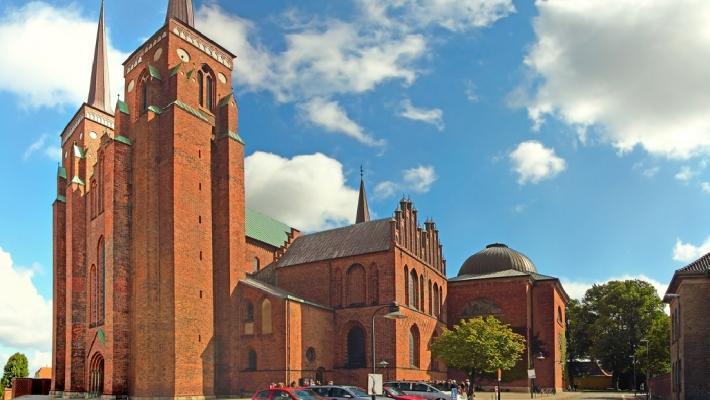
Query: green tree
point(478, 346)
point(653, 358)
point(16, 367)
point(616, 316)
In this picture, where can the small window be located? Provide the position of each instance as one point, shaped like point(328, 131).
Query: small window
point(251, 360)
point(311, 354)
point(256, 264)
point(249, 312)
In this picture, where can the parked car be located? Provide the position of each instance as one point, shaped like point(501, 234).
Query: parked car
point(286, 393)
point(396, 394)
point(331, 392)
point(419, 389)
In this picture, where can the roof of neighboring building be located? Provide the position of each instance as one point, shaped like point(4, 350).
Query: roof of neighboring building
point(278, 292)
point(44, 373)
point(495, 258)
point(362, 238)
point(698, 268)
point(265, 229)
point(508, 273)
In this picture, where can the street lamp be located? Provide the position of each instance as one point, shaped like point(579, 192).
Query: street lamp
point(394, 313)
point(540, 357)
point(648, 367)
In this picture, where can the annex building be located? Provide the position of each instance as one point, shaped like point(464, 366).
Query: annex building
point(166, 285)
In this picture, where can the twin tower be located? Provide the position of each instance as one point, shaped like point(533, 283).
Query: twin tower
point(149, 223)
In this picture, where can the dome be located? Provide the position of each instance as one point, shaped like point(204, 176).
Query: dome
point(495, 258)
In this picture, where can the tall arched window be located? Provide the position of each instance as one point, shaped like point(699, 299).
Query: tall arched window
point(413, 288)
point(374, 285)
point(414, 347)
point(210, 92)
point(101, 274)
point(100, 186)
point(93, 282)
point(94, 198)
point(201, 87)
point(407, 298)
point(430, 299)
point(355, 284)
point(144, 95)
point(421, 293)
point(435, 296)
point(356, 348)
point(251, 360)
point(265, 316)
point(249, 312)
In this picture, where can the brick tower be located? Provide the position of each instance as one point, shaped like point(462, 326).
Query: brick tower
point(149, 223)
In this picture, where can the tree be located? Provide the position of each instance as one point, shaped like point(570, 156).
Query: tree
point(16, 367)
point(653, 358)
point(478, 346)
point(616, 316)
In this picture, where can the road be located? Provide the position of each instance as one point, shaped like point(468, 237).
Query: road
point(560, 396)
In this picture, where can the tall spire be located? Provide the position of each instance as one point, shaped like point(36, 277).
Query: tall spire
point(363, 213)
point(100, 89)
point(181, 10)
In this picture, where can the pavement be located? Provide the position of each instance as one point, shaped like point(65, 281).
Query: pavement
point(560, 396)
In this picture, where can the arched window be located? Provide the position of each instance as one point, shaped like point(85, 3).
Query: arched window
point(94, 198)
point(201, 87)
point(413, 289)
point(210, 92)
point(93, 282)
point(436, 300)
point(414, 347)
point(559, 314)
point(441, 300)
point(265, 316)
point(374, 286)
point(407, 298)
point(100, 186)
point(251, 360)
point(421, 293)
point(249, 312)
point(101, 273)
point(434, 360)
point(355, 284)
point(144, 95)
point(256, 264)
point(430, 299)
point(356, 348)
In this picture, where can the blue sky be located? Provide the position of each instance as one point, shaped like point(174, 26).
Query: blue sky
point(571, 131)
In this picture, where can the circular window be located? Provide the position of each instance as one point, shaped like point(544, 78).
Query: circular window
point(157, 54)
point(131, 85)
point(311, 354)
point(184, 56)
point(93, 135)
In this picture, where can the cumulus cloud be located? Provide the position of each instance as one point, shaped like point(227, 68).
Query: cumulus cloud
point(329, 115)
point(453, 15)
point(705, 186)
point(47, 55)
point(685, 174)
point(308, 192)
point(534, 162)
point(26, 318)
point(577, 289)
point(688, 252)
point(418, 180)
point(432, 116)
point(40, 146)
point(632, 72)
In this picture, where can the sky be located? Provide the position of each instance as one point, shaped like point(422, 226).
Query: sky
point(576, 132)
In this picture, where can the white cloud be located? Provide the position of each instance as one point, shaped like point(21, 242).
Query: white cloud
point(472, 92)
point(418, 180)
point(432, 116)
point(26, 317)
point(577, 289)
point(53, 152)
point(634, 71)
point(534, 162)
point(453, 15)
point(330, 116)
point(705, 186)
point(688, 252)
point(685, 174)
point(47, 55)
point(308, 192)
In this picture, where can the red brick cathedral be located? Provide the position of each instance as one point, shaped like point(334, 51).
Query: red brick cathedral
point(166, 285)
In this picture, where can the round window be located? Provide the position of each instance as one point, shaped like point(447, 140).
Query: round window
point(311, 354)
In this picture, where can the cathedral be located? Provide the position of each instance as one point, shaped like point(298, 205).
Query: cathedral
point(166, 285)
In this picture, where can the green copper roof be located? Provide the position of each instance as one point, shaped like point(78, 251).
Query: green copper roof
point(61, 198)
point(155, 109)
point(174, 70)
point(154, 72)
point(61, 172)
point(79, 152)
point(122, 107)
point(123, 139)
point(265, 229)
point(77, 180)
point(189, 109)
point(225, 100)
point(233, 136)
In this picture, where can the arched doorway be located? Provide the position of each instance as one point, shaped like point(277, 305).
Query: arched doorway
point(96, 375)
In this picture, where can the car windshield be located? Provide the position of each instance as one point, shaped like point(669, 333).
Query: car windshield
point(395, 391)
point(358, 392)
point(304, 394)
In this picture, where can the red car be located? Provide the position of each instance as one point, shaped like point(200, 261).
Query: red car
point(396, 394)
point(286, 393)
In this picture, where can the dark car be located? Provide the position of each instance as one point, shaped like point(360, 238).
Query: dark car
point(420, 389)
point(396, 394)
point(286, 393)
point(332, 392)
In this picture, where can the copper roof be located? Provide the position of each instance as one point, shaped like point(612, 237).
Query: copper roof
point(362, 238)
point(181, 10)
point(495, 258)
point(99, 90)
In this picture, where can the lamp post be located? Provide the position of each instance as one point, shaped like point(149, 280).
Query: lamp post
point(648, 367)
point(383, 364)
point(540, 357)
point(393, 313)
point(633, 362)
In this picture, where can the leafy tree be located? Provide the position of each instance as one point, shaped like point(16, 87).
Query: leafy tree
point(578, 339)
point(16, 367)
point(653, 357)
point(616, 316)
point(478, 346)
